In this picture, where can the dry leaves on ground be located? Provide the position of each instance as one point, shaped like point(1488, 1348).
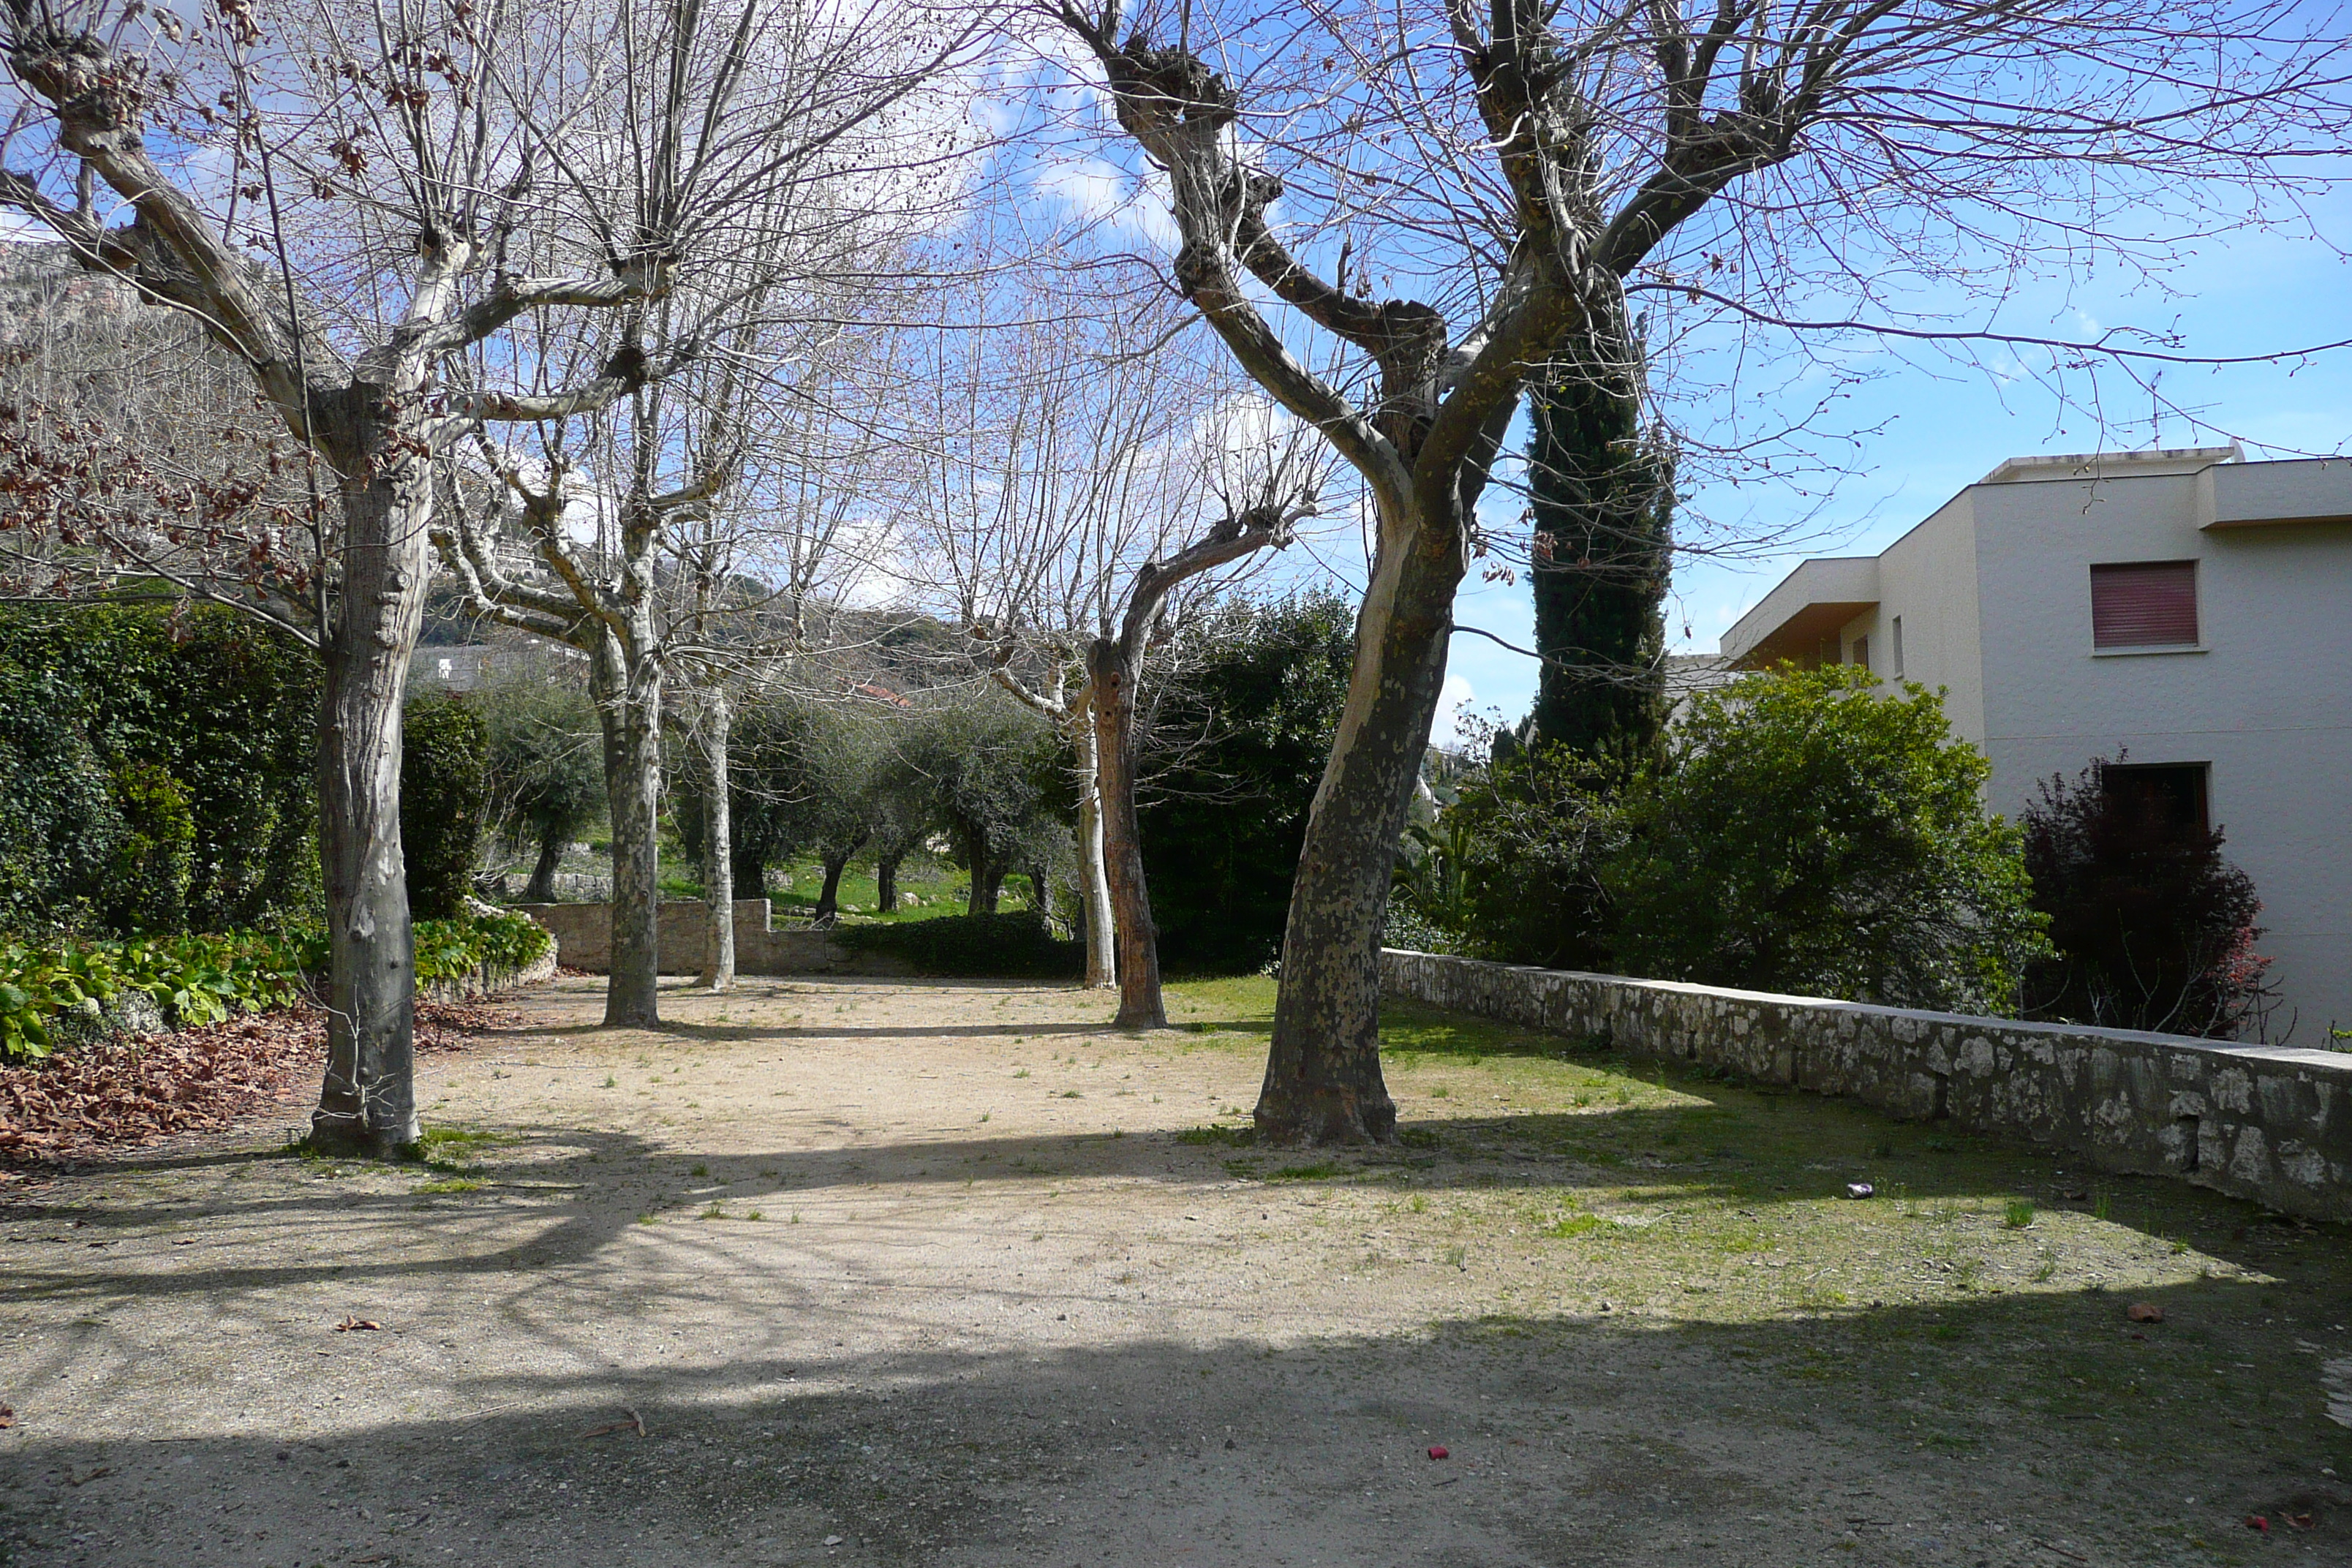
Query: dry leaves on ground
point(193, 1081)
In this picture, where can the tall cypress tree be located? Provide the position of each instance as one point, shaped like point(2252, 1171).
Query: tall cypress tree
point(1604, 515)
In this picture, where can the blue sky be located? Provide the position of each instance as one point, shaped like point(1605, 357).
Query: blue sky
point(1940, 428)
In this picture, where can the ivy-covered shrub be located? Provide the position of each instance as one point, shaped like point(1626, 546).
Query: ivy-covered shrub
point(445, 753)
point(1018, 945)
point(147, 885)
point(59, 827)
point(94, 698)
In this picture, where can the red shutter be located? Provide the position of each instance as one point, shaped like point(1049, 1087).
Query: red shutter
point(2147, 604)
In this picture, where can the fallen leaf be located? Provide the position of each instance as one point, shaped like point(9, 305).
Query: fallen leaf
point(350, 1325)
point(102, 1470)
point(8, 1417)
point(2144, 1313)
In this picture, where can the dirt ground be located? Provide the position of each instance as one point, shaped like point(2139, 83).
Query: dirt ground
point(951, 1274)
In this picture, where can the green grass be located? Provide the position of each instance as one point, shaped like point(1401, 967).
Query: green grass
point(451, 1184)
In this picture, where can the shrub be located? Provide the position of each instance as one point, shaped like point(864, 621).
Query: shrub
point(2152, 928)
point(147, 886)
point(202, 979)
point(450, 949)
point(1806, 835)
point(1536, 829)
point(444, 798)
point(1241, 733)
point(91, 695)
point(1019, 945)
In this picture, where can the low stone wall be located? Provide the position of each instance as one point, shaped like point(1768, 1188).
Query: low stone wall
point(2256, 1121)
point(583, 940)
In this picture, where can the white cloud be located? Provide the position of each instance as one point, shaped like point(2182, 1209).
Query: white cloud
point(1102, 193)
point(1454, 700)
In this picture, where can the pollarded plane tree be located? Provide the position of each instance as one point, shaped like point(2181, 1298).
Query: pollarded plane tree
point(818, 122)
point(354, 201)
point(1508, 175)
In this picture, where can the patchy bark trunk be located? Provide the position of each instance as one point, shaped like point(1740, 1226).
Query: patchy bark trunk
point(1323, 1081)
point(628, 692)
point(718, 843)
point(828, 897)
point(1112, 677)
point(1094, 880)
point(886, 884)
point(368, 1100)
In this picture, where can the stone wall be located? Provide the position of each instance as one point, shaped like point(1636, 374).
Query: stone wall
point(2257, 1121)
point(583, 940)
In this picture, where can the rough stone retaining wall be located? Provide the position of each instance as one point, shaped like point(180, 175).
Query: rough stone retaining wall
point(583, 940)
point(2256, 1121)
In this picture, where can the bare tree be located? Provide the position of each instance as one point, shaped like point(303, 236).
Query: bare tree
point(1523, 167)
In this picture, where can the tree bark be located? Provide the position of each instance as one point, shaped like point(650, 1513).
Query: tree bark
point(627, 689)
point(541, 888)
point(718, 843)
point(368, 1100)
point(1323, 1081)
point(1094, 880)
point(1111, 677)
point(828, 897)
point(886, 884)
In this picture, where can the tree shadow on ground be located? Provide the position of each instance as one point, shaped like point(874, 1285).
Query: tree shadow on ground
point(1976, 1432)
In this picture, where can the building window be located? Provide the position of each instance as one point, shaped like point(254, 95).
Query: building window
point(2144, 603)
point(1861, 652)
point(2173, 793)
point(1897, 630)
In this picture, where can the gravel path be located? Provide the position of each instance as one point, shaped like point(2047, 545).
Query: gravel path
point(951, 1274)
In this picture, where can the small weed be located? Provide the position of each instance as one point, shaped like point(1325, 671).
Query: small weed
point(1458, 1257)
point(984, 1115)
point(1067, 1093)
point(713, 1211)
point(1419, 1205)
point(612, 1082)
point(1417, 1137)
point(2099, 1205)
point(1228, 1137)
point(1322, 1171)
point(453, 1184)
point(700, 1169)
point(1440, 1092)
point(1574, 1225)
point(2018, 1213)
point(1022, 1073)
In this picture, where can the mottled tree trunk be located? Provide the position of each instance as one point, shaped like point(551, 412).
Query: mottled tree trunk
point(1112, 680)
point(1323, 1083)
point(627, 689)
point(1093, 881)
point(718, 845)
point(886, 884)
point(368, 1101)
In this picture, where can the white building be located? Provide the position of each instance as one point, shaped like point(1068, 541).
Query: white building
point(2189, 607)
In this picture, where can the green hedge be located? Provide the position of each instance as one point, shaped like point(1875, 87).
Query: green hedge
point(1018, 945)
point(197, 980)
